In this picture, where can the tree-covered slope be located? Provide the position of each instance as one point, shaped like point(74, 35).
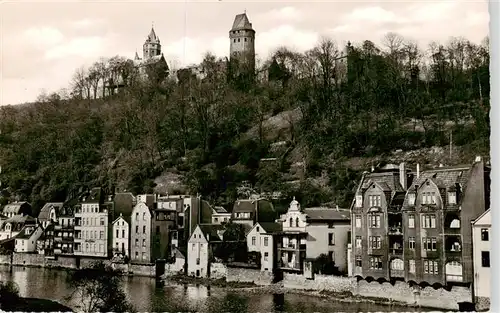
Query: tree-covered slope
point(310, 129)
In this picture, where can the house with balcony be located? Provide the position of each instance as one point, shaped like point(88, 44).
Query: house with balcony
point(438, 210)
point(165, 226)
point(92, 231)
point(291, 242)
point(12, 209)
point(377, 223)
point(481, 249)
point(27, 238)
point(260, 239)
point(64, 230)
point(416, 233)
point(45, 243)
point(200, 249)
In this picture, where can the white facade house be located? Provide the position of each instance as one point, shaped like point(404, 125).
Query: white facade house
point(260, 239)
point(26, 239)
point(481, 234)
point(14, 225)
point(198, 250)
point(121, 236)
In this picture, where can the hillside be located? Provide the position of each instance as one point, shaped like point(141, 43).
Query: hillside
point(309, 130)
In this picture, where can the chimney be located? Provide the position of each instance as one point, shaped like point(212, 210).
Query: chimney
point(402, 175)
point(478, 159)
point(418, 170)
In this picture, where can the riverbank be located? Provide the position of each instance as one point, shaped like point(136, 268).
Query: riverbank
point(220, 283)
point(34, 305)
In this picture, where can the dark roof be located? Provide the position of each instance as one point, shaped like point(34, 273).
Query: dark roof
point(44, 214)
point(13, 207)
point(263, 208)
point(205, 212)
point(24, 235)
point(445, 177)
point(124, 205)
point(210, 231)
point(327, 214)
point(271, 227)
point(388, 181)
point(152, 36)
point(219, 209)
point(18, 222)
point(46, 230)
point(95, 195)
point(241, 22)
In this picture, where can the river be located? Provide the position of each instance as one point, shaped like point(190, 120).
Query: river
point(148, 297)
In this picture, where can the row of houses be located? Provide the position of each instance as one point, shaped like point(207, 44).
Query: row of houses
point(426, 227)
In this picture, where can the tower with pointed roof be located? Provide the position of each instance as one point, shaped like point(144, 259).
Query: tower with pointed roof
point(152, 46)
point(242, 42)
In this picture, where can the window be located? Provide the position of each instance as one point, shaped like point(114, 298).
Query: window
point(117, 233)
point(431, 267)
point(253, 240)
point(358, 241)
point(123, 233)
point(411, 265)
point(358, 221)
point(375, 263)
point(143, 242)
point(157, 229)
point(245, 39)
point(137, 254)
point(266, 256)
point(331, 256)
point(485, 258)
point(411, 243)
point(296, 222)
point(331, 239)
point(144, 229)
point(429, 244)
point(238, 39)
point(137, 229)
point(411, 199)
point(291, 222)
point(428, 198)
point(398, 265)
point(144, 255)
point(101, 235)
point(266, 242)
point(102, 221)
point(192, 246)
point(411, 221)
point(374, 220)
point(197, 261)
point(216, 219)
point(144, 216)
point(428, 221)
point(452, 197)
point(375, 200)
point(359, 201)
point(375, 242)
point(136, 216)
point(358, 261)
point(485, 234)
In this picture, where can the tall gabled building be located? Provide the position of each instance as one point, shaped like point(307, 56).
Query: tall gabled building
point(420, 233)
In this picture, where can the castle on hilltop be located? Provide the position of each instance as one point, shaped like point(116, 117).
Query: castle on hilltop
point(153, 64)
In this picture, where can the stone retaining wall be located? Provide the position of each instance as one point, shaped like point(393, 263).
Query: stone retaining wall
point(256, 276)
point(401, 291)
point(218, 271)
point(148, 270)
point(6, 259)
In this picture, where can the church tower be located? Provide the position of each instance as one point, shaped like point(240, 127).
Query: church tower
point(242, 42)
point(152, 46)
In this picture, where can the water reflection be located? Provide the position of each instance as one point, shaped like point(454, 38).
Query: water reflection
point(147, 295)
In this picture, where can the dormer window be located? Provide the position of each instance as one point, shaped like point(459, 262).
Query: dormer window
point(291, 222)
point(375, 200)
point(452, 197)
point(428, 198)
point(359, 201)
point(411, 199)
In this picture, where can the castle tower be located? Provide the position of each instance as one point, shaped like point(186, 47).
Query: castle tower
point(242, 42)
point(152, 46)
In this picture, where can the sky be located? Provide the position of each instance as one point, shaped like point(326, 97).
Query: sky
point(42, 43)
